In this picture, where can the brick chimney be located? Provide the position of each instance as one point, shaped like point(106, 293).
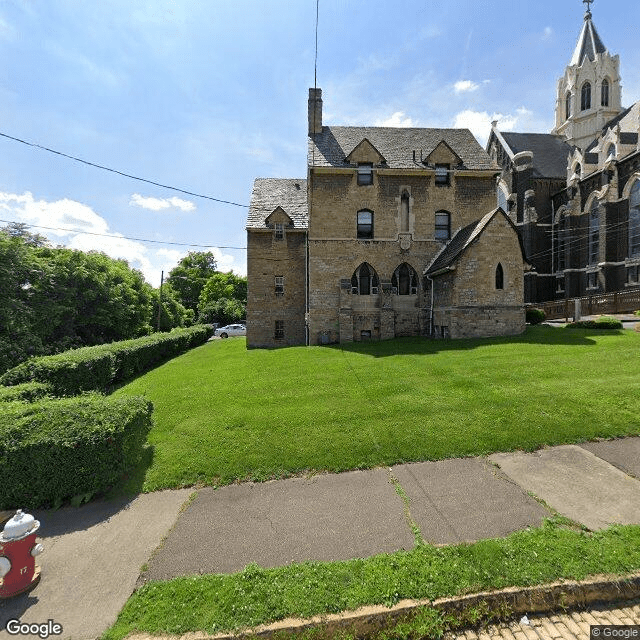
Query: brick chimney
point(315, 111)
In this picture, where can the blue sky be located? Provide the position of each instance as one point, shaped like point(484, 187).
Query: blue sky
point(207, 95)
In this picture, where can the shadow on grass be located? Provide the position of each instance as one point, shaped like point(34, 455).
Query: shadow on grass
point(542, 335)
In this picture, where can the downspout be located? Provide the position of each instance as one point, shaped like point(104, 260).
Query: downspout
point(431, 311)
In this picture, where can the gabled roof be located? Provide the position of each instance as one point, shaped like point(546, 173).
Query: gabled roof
point(290, 194)
point(589, 43)
point(464, 238)
point(443, 146)
point(550, 152)
point(367, 150)
point(397, 145)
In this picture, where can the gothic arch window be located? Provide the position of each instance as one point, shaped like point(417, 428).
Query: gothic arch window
point(404, 212)
point(594, 232)
point(405, 280)
point(567, 105)
point(604, 93)
point(364, 281)
point(634, 220)
point(365, 224)
point(499, 277)
point(585, 102)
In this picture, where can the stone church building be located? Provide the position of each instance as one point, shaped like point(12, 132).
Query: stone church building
point(421, 232)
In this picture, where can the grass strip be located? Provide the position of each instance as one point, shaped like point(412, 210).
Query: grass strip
point(214, 603)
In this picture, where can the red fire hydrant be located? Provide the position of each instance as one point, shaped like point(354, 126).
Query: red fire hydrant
point(18, 551)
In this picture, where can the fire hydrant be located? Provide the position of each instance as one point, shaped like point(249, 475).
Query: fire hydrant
point(18, 551)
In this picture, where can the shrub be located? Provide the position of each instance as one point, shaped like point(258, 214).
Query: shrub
point(636, 313)
point(535, 316)
point(604, 323)
point(26, 392)
point(96, 368)
point(53, 450)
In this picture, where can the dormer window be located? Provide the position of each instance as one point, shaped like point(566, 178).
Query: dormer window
point(365, 173)
point(278, 231)
point(442, 174)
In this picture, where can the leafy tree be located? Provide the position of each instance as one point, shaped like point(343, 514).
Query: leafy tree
point(172, 313)
point(190, 275)
point(223, 299)
point(222, 311)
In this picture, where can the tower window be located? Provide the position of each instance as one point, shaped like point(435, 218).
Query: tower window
point(443, 226)
point(499, 277)
point(567, 105)
point(585, 102)
point(365, 174)
point(604, 94)
point(365, 225)
point(404, 212)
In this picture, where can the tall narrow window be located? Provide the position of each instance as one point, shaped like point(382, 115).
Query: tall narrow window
point(594, 233)
point(279, 330)
point(364, 281)
point(634, 221)
point(279, 285)
point(278, 231)
point(502, 199)
point(442, 174)
point(404, 213)
point(443, 226)
point(562, 237)
point(567, 105)
point(499, 277)
point(365, 224)
point(365, 174)
point(405, 280)
point(604, 101)
point(585, 102)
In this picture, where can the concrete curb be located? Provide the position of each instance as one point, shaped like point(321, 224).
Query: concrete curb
point(509, 602)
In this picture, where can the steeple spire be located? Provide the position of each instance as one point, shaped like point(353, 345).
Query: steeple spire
point(589, 42)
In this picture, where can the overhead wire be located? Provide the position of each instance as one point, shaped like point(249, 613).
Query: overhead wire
point(122, 173)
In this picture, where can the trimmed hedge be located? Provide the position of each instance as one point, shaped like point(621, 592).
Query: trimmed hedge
point(96, 368)
point(535, 316)
point(601, 323)
point(57, 449)
point(25, 392)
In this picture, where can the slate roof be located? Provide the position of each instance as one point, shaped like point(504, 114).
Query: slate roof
point(270, 193)
point(550, 152)
point(589, 42)
point(462, 240)
point(396, 145)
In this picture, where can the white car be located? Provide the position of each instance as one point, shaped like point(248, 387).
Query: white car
point(231, 330)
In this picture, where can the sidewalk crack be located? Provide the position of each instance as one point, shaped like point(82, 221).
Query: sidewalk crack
point(411, 523)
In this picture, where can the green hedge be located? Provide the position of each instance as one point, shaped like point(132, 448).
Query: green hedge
point(601, 323)
point(26, 392)
point(56, 449)
point(96, 368)
point(535, 316)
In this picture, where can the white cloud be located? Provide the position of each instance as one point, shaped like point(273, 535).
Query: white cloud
point(479, 123)
point(158, 204)
point(465, 86)
point(548, 32)
point(71, 224)
point(398, 119)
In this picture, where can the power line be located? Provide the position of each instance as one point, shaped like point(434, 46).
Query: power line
point(110, 235)
point(121, 173)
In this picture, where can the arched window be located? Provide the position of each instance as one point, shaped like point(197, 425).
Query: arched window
point(502, 199)
point(585, 102)
point(365, 224)
point(567, 105)
point(499, 277)
point(594, 233)
point(578, 169)
point(634, 221)
point(604, 93)
point(364, 281)
point(443, 226)
point(405, 280)
point(404, 212)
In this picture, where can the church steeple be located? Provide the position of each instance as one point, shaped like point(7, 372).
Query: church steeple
point(589, 93)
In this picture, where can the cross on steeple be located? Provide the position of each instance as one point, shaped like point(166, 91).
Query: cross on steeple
point(588, 3)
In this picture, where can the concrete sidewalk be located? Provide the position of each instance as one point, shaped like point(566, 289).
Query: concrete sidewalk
point(95, 554)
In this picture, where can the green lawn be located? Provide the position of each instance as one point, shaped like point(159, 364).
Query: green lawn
point(224, 413)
